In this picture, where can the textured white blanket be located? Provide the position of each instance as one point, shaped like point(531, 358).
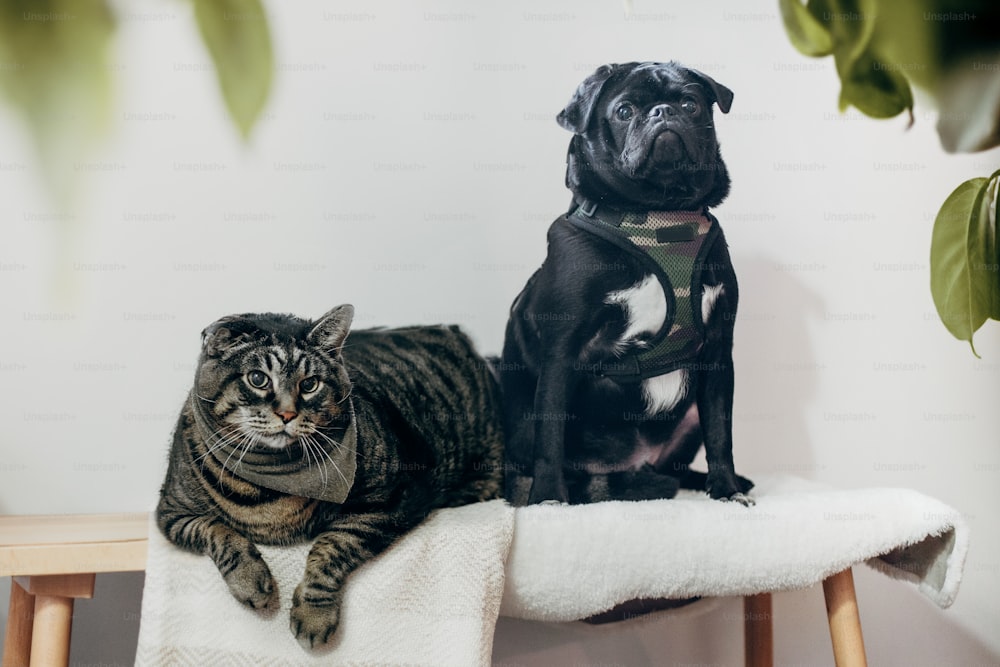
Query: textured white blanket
point(568, 563)
point(430, 600)
point(433, 599)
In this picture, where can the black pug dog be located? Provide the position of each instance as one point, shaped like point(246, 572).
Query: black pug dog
point(617, 360)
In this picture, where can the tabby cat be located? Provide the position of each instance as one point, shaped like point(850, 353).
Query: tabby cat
point(291, 435)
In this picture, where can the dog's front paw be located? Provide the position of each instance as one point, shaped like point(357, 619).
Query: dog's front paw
point(315, 615)
point(251, 583)
point(547, 486)
point(723, 485)
point(742, 499)
point(540, 496)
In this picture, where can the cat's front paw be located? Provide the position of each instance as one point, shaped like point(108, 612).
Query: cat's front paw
point(315, 615)
point(251, 583)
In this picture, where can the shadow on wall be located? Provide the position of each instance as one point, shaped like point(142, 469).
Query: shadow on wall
point(676, 637)
point(902, 627)
point(776, 369)
point(105, 628)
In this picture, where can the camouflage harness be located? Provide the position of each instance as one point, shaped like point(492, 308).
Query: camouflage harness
point(672, 245)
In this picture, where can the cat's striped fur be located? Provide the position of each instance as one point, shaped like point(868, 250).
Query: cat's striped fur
point(428, 424)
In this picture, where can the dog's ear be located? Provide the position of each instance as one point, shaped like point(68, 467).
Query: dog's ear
point(576, 116)
point(723, 96)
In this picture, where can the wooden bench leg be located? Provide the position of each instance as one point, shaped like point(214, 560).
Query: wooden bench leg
point(50, 598)
point(20, 615)
point(53, 628)
point(845, 622)
point(758, 631)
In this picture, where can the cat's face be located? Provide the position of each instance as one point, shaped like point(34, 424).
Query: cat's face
point(274, 380)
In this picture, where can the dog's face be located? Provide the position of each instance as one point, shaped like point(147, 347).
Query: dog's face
point(645, 137)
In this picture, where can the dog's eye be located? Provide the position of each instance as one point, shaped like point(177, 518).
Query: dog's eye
point(689, 105)
point(625, 111)
point(258, 379)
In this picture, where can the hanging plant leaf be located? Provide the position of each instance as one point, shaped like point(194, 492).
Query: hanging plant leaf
point(868, 82)
point(850, 23)
point(237, 37)
point(874, 88)
point(852, 32)
point(55, 70)
point(805, 30)
point(964, 255)
point(984, 251)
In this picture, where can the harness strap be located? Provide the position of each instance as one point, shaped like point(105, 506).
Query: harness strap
point(672, 245)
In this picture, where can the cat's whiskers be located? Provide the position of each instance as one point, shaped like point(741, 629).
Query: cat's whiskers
point(220, 438)
point(245, 442)
point(313, 449)
point(330, 458)
point(338, 445)
point(235, 436)
point(303, 444)
point(253, 440)
point(308, 444)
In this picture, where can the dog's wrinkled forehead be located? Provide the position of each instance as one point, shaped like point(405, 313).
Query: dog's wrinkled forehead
point(657, 79)
point(648, 77)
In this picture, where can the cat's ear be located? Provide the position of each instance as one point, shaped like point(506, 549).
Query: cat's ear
point(224, 334)
point(331, 330)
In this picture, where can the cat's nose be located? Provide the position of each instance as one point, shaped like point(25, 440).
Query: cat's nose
point(287, 416)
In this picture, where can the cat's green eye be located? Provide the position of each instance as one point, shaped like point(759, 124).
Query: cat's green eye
point(258, 379)
point(309, 385)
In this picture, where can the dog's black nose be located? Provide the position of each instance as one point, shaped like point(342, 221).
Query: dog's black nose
point(662, 110)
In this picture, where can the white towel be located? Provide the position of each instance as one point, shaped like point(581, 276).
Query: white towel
point(433, 598)
point(568, 563)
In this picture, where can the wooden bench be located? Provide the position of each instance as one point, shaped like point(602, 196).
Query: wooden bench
point(54, 559)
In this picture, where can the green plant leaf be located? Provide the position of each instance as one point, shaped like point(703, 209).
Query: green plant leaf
point(805, 31)
point(237, 37)
point(984, 252)
point(868, 82)
point(850, 22)
point(964, 238)
point(906, 38)
point(875, 88)
point(55, 70)
point(850, 30)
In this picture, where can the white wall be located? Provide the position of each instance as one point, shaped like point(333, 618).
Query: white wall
point(409, 163)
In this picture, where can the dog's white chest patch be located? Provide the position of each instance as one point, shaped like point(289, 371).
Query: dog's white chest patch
point(709, 295)
point(663, 392)
point(645, 308)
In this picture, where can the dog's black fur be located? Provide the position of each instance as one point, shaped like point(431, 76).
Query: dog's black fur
point(644, 139)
